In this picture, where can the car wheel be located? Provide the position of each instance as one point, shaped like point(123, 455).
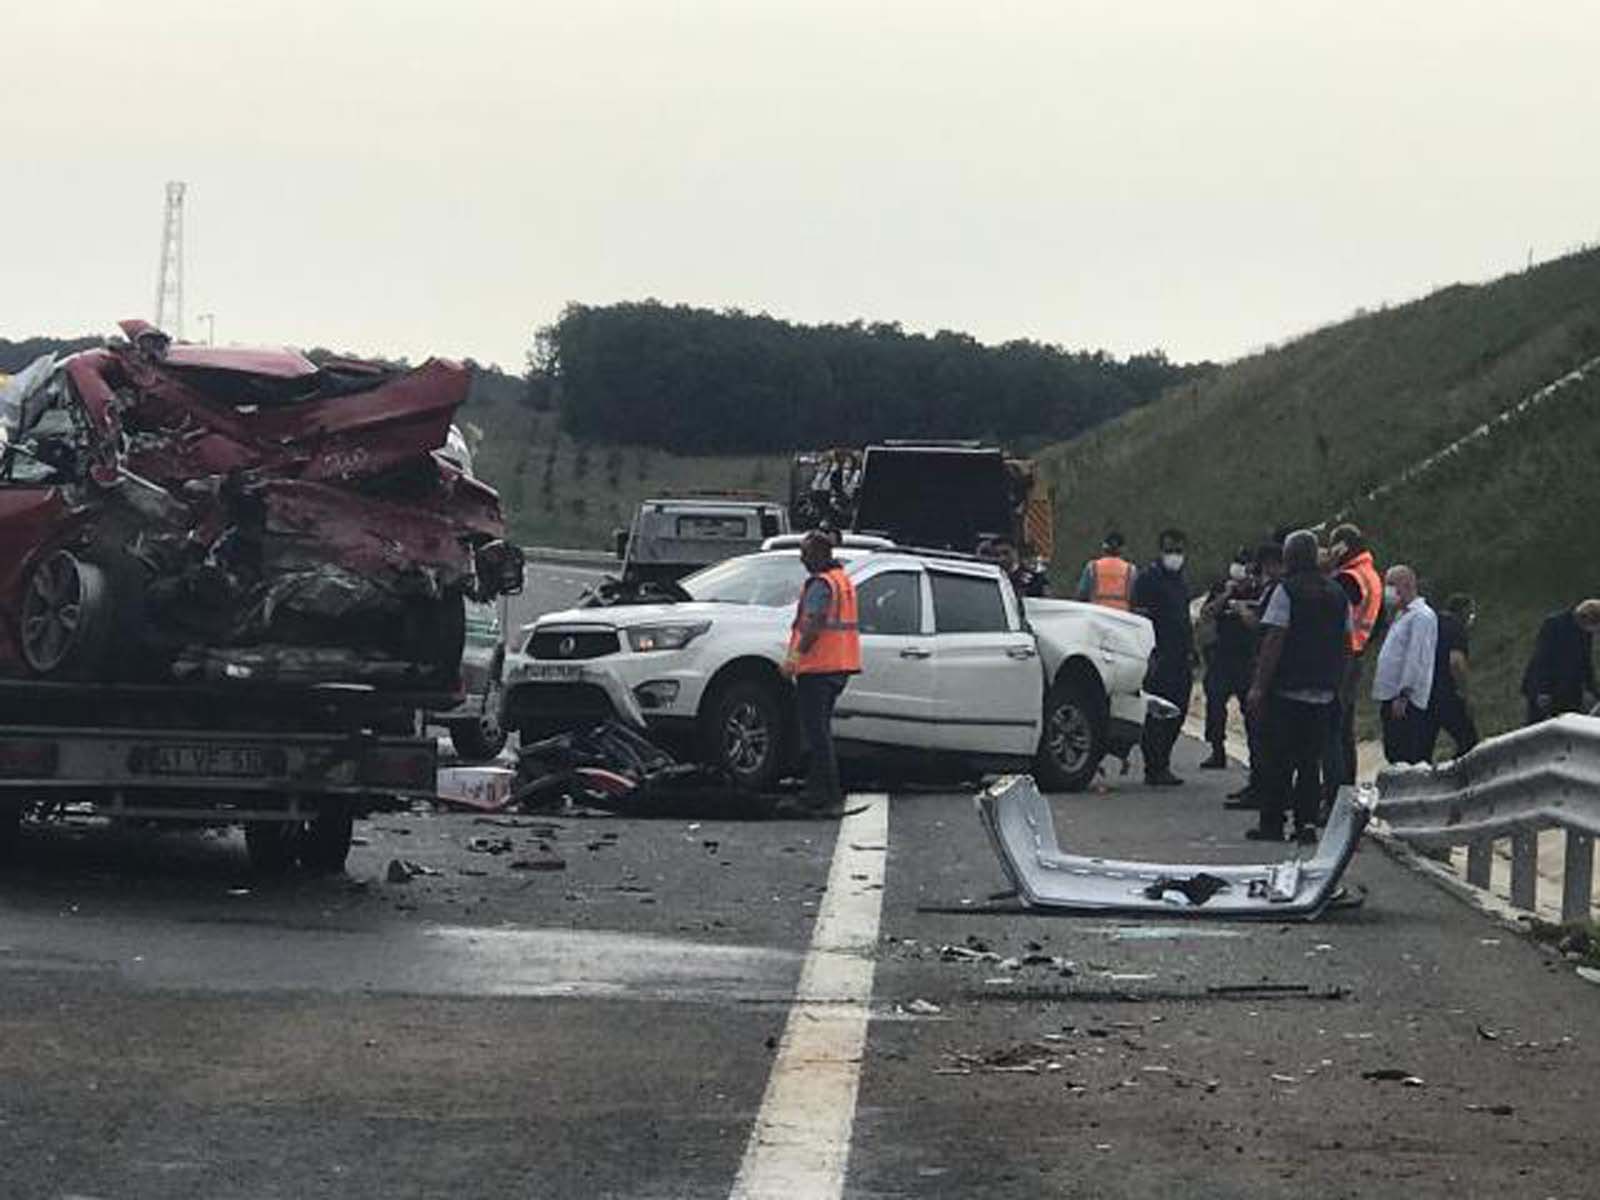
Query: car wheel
point(273, 845)
point(746, 734)
point(66, 612)
point(1074, 740)
point(324, 841)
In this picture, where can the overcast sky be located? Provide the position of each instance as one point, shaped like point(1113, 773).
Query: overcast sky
point(1202, 176)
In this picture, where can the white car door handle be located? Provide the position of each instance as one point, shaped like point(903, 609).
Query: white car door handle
point(1021, 652)
point(916, 652)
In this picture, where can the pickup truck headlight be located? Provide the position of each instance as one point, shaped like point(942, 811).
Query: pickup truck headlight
point(676, 636)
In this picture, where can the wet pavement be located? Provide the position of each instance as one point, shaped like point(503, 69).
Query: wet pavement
point(171, 1026)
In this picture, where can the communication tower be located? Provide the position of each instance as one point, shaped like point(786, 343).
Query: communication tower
point(169, 282)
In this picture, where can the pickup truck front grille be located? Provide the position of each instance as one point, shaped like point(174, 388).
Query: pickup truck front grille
point(570, 645)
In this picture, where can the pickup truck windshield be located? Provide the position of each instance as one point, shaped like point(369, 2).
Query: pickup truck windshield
point(767, 580)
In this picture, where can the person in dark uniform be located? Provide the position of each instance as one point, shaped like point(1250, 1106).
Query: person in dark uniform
point(1561, 670)
point(1298, 670)
point(1269, 576)
point(1449, 710)
point(1027, 580)
point(1228, 663)
point(1161, 594)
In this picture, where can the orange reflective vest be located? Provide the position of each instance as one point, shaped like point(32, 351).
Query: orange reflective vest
point(1366, 612)
point(1113, 582)
point(837, 648)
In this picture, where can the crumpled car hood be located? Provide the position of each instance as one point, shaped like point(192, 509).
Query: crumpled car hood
point(253, 498)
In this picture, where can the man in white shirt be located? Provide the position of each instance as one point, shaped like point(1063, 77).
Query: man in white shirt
point(1403, 683)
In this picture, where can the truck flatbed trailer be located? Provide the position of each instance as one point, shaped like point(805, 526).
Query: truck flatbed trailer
point(294, 766)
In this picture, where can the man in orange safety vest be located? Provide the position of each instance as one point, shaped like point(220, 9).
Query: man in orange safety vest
point(1355, 572)
point(824, 651)
point(1108, 580)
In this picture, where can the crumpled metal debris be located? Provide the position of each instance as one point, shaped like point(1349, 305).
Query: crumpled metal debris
point(1018, 820)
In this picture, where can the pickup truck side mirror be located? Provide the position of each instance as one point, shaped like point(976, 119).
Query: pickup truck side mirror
point(619, 538)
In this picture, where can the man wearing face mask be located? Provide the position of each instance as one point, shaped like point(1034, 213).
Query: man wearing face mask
point(1228, 663)
point(1161, 595)
point(1403, 682)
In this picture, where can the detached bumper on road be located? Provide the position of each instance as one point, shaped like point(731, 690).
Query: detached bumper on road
point(1016, 815)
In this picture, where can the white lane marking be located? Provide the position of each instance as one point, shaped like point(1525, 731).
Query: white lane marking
point(800, 1145)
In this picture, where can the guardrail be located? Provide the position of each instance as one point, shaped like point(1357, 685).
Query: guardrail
point(1514, 786)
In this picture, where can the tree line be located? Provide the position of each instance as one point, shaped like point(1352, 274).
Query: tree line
point(692, 380)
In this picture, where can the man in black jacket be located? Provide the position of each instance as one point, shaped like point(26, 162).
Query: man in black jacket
point(1161, 594)
point(1561, 670)
point(1298, 670)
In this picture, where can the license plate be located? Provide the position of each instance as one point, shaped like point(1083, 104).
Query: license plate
point(234, 762)
point(553, 672)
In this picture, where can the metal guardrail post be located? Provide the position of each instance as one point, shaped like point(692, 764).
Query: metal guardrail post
point(1524, 868)
point(1480, 862)
point(1577, 878)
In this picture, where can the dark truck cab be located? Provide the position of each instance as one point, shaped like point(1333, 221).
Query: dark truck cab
point(943, 495)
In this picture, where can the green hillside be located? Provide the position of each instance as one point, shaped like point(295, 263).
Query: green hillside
point(1300, 434)
point(561, 492)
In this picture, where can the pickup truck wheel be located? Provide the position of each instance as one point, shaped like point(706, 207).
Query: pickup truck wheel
point(66, 615)
point(745, 730)
point(273, 845)
point(1074, 741)
point(324, 841)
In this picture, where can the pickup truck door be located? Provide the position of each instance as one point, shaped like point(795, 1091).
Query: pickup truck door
point(990, 690)
point(892, 702)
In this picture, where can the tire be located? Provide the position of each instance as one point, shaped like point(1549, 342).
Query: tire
point(1074, 738)
point(483, 739)
point(324, 841)
point(67, 617)
point(478, 741)
point(745, 730)
point(10, 828)
point(273, 845)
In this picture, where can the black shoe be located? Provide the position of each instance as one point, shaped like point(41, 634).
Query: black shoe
point(1245, 793)
point(1306, 835)
point(1246, 803)
point(1264, 835)
point(1217, 762)
point(1161, 779)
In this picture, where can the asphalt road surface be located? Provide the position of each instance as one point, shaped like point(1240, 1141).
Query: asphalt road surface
point(613, 1008)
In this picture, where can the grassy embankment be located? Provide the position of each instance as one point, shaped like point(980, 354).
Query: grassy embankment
point(1300, 433)
point(558, 492)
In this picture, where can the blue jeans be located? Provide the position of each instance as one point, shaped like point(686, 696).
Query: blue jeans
point(816, 696)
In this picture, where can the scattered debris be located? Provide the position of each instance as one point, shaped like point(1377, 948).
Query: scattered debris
point(544, 862)
point(1494, 1110)
point(403, 870)
point(1487, 1034)
point(1589, 973)
point(1196, 888)
point(923, 1008)
point(1022, 1058)
point(1393, 1075)
point(486, 845)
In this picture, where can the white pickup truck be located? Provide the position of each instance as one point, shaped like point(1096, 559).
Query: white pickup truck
point(953, 665)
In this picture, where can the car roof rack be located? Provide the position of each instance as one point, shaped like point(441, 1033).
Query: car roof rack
point(850, 541)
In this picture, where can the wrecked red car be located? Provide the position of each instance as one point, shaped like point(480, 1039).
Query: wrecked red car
point(172, 512)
